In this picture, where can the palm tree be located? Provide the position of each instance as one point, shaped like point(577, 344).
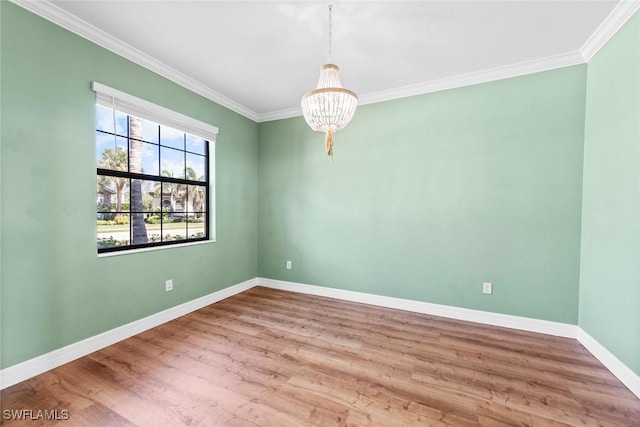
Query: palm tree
point(139, 230)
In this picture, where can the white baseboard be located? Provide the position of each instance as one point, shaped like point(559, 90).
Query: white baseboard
point(611, 362)
point(38, 365)
point(485, 317)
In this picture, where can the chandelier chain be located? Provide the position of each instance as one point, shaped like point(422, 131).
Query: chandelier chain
point(330, 7)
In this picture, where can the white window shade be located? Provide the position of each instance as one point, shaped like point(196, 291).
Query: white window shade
point(113, 98)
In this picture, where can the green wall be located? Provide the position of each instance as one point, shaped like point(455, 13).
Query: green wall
point(427, 197)
point(610, 267)
point(55, 290)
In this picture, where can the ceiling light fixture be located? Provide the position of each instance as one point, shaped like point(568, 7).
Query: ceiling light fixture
point(329, 107)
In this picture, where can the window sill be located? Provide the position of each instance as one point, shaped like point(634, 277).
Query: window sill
point(154, 248)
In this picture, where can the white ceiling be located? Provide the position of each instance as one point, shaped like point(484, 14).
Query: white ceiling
point(259, 57)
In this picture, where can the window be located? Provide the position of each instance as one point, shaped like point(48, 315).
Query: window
point(153, 169)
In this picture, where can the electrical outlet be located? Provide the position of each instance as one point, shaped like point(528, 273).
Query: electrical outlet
point(288, 265)
point(168, 285)
point(487, 288)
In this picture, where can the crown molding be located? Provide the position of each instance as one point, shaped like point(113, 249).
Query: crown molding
point(60, 17)
point(620, 14)
point(280, 114)
point(482, 76)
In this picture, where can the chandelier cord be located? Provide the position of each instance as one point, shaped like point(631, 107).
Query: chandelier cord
point(330, 7)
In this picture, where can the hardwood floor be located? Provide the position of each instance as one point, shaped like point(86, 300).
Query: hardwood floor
point(268, 357)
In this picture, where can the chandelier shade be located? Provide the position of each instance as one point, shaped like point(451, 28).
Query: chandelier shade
point(329, 107)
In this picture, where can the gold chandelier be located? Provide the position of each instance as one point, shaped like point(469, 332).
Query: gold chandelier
point(329, 107)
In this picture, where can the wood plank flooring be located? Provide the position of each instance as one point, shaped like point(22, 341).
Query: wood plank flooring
point(273, 358)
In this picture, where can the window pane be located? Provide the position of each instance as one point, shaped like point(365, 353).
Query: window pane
point(174, 229)
point(112, 225)
point(114, 193)
point(110, 240)
point(153, 233)
point(168, 197)
point(170, 137)
point(196, 144)
point(136, 196)
point(150, 131)
point(104, 121)
point(197, 196)
point(151, 196)
point(125, 194)
point(150, 160)
point(135, 156)
point(172, 162)
point(198, 216)
point(180, 202)
point(152, 202)
point(105, 196)
point(111, 152)
point(196, 226)
point(138, 227)
point(195, 167)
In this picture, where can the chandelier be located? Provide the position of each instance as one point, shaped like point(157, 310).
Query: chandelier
point(329, 107)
